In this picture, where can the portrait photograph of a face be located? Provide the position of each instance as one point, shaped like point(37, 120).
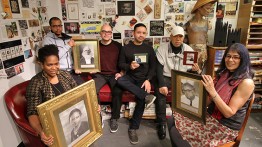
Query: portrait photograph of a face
point(126, 8)
point(190, 57)
point(141, 58)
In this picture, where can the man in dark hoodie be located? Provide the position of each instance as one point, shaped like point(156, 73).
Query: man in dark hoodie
point(64, 44)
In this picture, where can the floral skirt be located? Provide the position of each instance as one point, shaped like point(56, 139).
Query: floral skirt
point(198, 134)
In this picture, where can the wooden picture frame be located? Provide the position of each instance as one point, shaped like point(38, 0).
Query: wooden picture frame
point(87, 55)
point(58, 116)
point(188, 95)
point(190, 57)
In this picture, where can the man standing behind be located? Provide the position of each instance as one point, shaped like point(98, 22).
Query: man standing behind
point(109, 53)
point(138, 76)
point(169, 56)
point(64, 44)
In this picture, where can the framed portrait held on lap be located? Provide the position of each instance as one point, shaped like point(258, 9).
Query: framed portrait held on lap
point(72, 117)
point(86, 55)
point(188, 95)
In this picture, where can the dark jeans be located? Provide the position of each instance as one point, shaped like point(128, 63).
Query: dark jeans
point(100, 81)
point(161, 102)
point(175, 137)
point(133, 86)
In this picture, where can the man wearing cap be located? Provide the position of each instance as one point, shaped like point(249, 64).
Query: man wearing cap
point(169, 56)
point(197, 28)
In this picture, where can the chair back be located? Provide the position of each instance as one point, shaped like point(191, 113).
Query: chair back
point(16, 105)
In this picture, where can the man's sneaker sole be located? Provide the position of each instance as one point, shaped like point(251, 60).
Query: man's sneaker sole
point(113, 131)
point(148, 105)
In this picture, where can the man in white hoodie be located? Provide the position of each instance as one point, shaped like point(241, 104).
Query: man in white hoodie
point(64, 44)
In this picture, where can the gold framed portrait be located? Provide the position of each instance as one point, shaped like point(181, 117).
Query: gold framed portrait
point(87, 55)
point(72, 117)
point(188, 95)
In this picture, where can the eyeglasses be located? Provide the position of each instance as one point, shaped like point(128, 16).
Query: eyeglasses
point(56, 26)
point(106, 32)
point(233, 57)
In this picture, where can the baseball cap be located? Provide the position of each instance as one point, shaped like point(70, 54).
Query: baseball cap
point(177, 30)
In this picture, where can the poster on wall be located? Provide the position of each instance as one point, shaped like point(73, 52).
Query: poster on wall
point(157, 28)
point(90, 27)
point(126, 8)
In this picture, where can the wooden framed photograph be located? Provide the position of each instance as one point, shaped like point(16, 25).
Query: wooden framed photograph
point(188, 95)
point(126, 8)
point(190, 57)
point(72, 117)
point(86, 55)
point(141, 58)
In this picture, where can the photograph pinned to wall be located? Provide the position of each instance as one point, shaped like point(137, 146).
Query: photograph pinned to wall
point(58, 117)
point(157, 9)
point(129, 33)
point(71, 27)
point(64, 11)
point(12, 52)
point(179, 17)
point(43, 17)
point(86, 55)
point(90, 27)
point(165, 39)
point(3, 54)
point(149, 41)
point(132, 22)
point(141, 3)
point(19, 68)
point(110, 10)
point(141, 58)
point(107, 20)
point(126, 8)
point(23, 24)
point(141, 15)
point(33, 23)
point(157, 28)
point(10, 72)
point(168, 27)
point(168, 18)
point(46, 29)
point(190, 57)
point(8, 53)
point(25, 3)
point(36, 35)
point(230, 10)
point(28, 53)
point(11, 30)
point(88, 3)
point(72, 11)
point(220, 10)
point(157, 41)
point(188, 95)
point(148, 9)
point(15, 8)
point(126, 41)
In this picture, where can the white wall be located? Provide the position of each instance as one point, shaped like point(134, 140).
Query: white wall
point(8, 134)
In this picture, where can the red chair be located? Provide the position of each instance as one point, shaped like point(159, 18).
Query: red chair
point(16, 105)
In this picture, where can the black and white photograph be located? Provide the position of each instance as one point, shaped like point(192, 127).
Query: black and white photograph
point(141, 58)
point(87, 56)
point(74, 121)
point(22, 24)
point(126, 8)
point(71, 27)
point(157, 28)
point(25, 3)
point(129, 33)
point(190, 57)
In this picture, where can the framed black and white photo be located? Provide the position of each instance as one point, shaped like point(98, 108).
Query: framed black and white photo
point(188, 95)
point(157, 28)
point(190, 57)
point(126, 8)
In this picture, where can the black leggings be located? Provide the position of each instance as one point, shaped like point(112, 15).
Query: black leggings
point(175, 137)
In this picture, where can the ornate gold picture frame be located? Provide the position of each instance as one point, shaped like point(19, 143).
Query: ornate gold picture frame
point(188, 95)
point(87, 55)
point(72, 117)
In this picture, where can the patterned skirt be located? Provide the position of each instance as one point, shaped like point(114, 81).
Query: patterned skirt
point(209, 135)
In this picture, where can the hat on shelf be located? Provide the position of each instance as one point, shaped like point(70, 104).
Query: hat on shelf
point(177, 30)
point(201, 3)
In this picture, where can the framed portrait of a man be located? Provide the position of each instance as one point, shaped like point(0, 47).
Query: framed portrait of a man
point(86, 55)
point(72, 117)
point(126, 8)
point(188, 95)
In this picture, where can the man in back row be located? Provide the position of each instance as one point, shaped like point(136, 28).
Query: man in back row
point(138, 76)
point(64, 44)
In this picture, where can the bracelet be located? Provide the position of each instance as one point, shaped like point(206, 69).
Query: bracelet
point(214, 97)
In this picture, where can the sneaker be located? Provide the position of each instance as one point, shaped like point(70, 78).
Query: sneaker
point(132, 136)
point(149, 100)
point(113, 125)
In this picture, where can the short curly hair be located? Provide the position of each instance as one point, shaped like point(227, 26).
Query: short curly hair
point(46, 51)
